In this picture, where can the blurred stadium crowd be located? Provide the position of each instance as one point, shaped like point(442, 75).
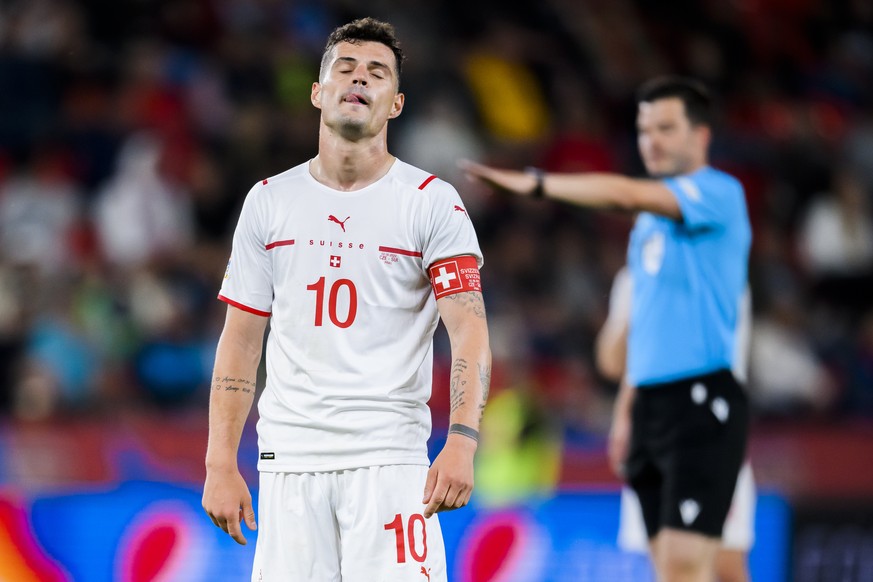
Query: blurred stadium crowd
point(131, 131)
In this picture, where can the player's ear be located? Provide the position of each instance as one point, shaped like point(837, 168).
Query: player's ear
point(704, 135)
point(397, 105)
point(315, 96)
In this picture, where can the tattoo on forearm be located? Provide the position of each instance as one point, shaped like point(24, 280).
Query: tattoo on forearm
point(471, 299)
point(485, 379)
point(459, 368)
point(228, 384)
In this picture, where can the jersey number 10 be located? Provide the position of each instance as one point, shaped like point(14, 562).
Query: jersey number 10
point(397, 526)
point(318, 287)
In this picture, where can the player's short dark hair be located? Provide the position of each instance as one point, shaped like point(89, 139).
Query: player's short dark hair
point(693, 93)
point(365, 30)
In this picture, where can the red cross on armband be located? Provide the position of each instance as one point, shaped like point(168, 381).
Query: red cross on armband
point(455, 275)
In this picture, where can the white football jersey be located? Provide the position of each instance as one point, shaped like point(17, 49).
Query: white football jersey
point(343, 276)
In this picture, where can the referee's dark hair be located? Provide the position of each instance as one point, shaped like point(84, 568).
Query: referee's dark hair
point(695, 96)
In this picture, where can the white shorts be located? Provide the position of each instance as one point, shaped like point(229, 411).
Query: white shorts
point(739, 527)
point(357, 525)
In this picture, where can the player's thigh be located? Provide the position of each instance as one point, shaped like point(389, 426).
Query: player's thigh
point(739, 527)
point(679, 551)
point(385, 536)
point(297, 533)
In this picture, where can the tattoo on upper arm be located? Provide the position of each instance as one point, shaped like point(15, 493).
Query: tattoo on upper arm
point(459, 368)
point(470, 299)
point(485, 378)
point(228, 384)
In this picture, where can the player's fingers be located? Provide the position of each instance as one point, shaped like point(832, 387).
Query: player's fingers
point(436, 500)
point(429, 485)
point(451, 498)
point(235, 531)
point(463, 495)
point(471, 168)
point(248, 514)
point(464, 498)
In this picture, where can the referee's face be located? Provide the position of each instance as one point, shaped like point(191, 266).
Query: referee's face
point(669, 143)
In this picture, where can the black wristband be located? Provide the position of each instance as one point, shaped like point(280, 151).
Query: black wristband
point(540, 175)
point(465, 430)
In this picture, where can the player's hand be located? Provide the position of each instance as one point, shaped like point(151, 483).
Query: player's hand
point(509, 180)
point(449, 482)
point(619, 443)
point(228, 503)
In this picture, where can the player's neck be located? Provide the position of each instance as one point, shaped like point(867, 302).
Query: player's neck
point(346, 165)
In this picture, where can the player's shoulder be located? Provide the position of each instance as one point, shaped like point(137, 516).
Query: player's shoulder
point(282, 180)
point(420, 181)
point(718, 179)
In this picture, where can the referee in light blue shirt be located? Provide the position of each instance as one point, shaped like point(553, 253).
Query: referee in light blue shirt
point(688, 257)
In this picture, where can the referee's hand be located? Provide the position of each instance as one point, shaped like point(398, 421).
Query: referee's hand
point(618, 444)
point(228, 502)
point(506, 180)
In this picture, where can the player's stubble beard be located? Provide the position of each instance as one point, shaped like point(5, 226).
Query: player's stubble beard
point(351, 129)
point(675, 164)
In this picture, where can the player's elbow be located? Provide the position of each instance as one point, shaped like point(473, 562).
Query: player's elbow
point(608, 359)
point(609, 368)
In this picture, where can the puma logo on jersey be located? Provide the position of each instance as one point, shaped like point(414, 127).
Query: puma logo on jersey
point(342, 223)
point(460, 209)
point(426, 573)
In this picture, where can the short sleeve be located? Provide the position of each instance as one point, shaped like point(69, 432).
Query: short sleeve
point(248, 281)
point(707, 199)
point(449, 231)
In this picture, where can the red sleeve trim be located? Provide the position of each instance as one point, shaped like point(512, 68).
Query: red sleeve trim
point(426, 182)
point(400, 251)
point(455, 275)
point(279, 243)
point(243, 307)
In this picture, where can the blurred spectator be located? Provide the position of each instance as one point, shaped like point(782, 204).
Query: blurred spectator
point(519, 456)
point(39, 207)
point(174, 358)
point(61, 367)
point(836, 243)
point(497, 71)
point(786, 377)
point(440, 132)
point(139, 213)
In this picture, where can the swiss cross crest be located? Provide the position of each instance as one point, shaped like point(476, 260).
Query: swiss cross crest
point(336, 261)
point(445, 278)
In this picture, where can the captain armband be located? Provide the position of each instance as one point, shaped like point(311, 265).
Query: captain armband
point(455, 275)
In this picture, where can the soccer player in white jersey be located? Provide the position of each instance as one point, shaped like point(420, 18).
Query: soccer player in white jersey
point(731, 561)
point(352, 257)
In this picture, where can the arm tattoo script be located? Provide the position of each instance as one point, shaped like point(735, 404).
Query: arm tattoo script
point(485, 379)
point(228, 384)
point(459, 368)
point(472, 300)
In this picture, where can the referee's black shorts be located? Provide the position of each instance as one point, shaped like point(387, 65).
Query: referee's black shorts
point(687, 445)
